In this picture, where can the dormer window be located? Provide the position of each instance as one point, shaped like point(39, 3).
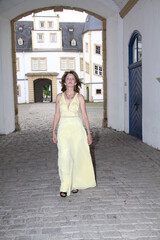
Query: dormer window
point(20, 41)
point(20, 28)
point(73, 42)
point(70, 29)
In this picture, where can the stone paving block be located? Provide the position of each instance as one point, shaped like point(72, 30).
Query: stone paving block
point(23, 238)
point(125, 204)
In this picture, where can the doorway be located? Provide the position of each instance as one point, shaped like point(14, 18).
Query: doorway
point(42, 90)
point(135, 85)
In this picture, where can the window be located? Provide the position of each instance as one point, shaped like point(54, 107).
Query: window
point(18, 90)
point(86, 47)
point(40, 37)
point(35, 64)
point(50, 24)
point(67, 63)
point(20, 41)
point(87, 67)
point(136, 52)
point(39, 64)
point(81, 64)
point(73, 42)
point(20, 28)
point(97, 49)
point(63, 63)
point(42, 24)
point(71, 63)
point(98, 91)
point(70, 30)
point(53, 37)
point(17, 65)
point(98, 70)
point(42, 64)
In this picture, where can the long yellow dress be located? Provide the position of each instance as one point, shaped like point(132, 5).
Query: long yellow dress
point(74, 159)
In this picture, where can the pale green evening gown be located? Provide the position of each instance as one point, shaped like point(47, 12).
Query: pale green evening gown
point(74, 159)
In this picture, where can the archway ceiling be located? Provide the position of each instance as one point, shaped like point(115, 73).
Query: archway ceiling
point(105, 8)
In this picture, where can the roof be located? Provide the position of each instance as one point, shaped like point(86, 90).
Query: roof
point(67, 35)
point(92, 24)
point(25, 34)
point(76, 34)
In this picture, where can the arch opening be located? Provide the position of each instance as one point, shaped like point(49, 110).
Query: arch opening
point(42, 90)
point(104, 120)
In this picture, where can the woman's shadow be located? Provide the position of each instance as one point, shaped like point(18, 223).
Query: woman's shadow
point(95, 136)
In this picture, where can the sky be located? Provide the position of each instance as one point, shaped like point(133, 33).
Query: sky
point(65, 16)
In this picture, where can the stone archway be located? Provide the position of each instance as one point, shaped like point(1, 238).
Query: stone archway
point(39, 86)
point(31, 75)
point(109, 10)
point(34, 76)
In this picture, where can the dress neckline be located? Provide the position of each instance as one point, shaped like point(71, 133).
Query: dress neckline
point(68, 106)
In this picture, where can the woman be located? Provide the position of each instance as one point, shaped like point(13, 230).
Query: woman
point(74, 159)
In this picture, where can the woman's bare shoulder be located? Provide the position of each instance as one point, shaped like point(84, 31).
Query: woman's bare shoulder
point(59, 95)
point(80, 97)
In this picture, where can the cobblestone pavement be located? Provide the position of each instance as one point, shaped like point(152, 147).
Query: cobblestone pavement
point(124, 205)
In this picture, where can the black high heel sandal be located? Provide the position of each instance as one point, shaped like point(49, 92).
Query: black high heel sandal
point(75, 191)
point(63, 194)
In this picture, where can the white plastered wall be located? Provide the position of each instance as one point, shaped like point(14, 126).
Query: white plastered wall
point(7, 118)
point(115, 89)
point(144, 17)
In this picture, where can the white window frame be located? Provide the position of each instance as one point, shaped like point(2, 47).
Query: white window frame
point(98, 93)
point(81, 64)
point(20, 41)
point(39, 66)
point(87, 67)
point(98, 70)
point(73, 42)
point(51, 37)
point(38, 39)
point(52, 24)
point(100, 48)
point(68, 63)
point(40, 24)
point(86, 47)
point(17, 64)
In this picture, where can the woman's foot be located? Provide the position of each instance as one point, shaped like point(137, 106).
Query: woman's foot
point(75, 191)
point(63, 194)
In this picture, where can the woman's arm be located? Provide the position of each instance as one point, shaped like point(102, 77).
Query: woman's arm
point(56, 119)
point(85, 117)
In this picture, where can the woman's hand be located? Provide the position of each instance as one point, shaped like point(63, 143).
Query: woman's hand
point(55, 138)
point(89, 139)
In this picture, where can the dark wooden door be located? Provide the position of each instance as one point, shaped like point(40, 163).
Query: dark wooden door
point(135, 107)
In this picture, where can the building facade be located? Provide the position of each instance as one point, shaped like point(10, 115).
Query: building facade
point(45, 49)
point(92, 59)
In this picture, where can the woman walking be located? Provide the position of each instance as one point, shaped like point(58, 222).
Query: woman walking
point(74, 159)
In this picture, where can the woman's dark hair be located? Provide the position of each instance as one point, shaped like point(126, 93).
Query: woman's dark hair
point(78, 81)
